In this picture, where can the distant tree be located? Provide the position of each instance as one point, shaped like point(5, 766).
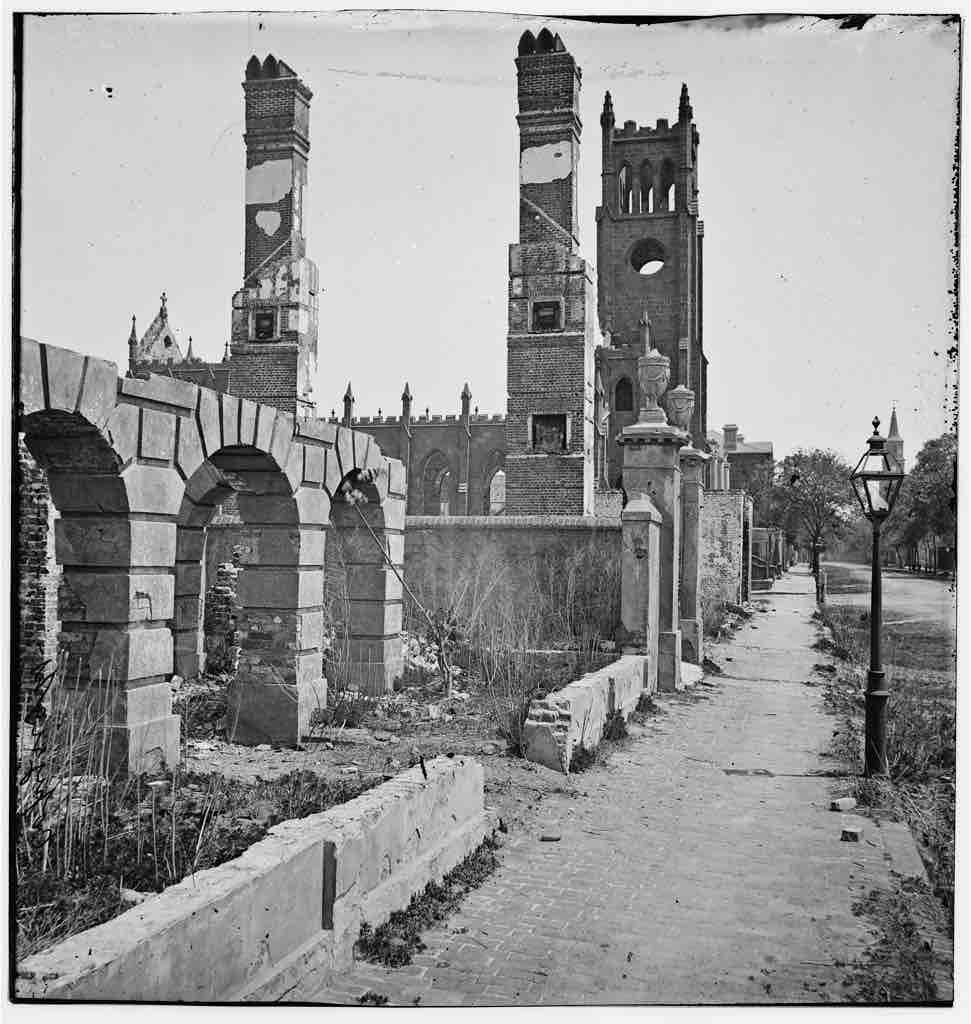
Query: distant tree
point(812, 498)
point(924, 517)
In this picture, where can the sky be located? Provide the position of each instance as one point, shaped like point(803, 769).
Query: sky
point(825, 173)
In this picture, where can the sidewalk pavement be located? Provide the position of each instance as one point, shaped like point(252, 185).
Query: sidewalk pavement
point(700, 864)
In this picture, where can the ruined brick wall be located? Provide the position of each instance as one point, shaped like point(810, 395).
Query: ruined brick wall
point(523, 562)
point(38, 569)
point(723, 561)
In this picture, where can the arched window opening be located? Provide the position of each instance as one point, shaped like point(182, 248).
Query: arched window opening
point(496, 498)
point(436, 485)
point(624, 187)
point(624, 395)
point(646, 176)
point(667, 184)
point(545, 42)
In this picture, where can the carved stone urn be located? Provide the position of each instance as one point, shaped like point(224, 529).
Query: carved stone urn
point(680, 402)
point(654, 373)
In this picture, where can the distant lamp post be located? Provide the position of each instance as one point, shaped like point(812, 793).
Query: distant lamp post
point(876, 482)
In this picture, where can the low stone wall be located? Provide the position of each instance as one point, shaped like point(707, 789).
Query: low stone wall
point(578, 714)
point(520, 562)
point(279, 919)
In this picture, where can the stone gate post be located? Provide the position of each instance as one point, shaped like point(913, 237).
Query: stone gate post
point(692, 492)
point(640, 582)
point(652, 467)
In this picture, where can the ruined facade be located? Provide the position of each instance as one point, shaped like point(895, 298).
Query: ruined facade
point(572, 345)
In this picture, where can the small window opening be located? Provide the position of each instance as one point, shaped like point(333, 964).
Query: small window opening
point(624, 395)
point(546, 316)
point(263, 325)
point(549, 432)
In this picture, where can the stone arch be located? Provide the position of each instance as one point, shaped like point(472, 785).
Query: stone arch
point(527, 44)
point(108, 466)
point(545, 43)
point(136, 467)
point(368, 528)
point(438, 481)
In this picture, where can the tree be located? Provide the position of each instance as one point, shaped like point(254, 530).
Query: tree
point(925, 514)
point(812, 498)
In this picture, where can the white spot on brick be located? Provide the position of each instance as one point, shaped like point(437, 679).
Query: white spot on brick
point(268, 221)
point(268, 182)
point(551, 162)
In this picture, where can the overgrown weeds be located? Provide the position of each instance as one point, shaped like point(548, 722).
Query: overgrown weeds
point(395, 942)
point(921, 741)
point(88, 836)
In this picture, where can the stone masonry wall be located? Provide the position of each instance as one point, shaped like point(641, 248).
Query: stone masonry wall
point(519, 561)
point(722, 526)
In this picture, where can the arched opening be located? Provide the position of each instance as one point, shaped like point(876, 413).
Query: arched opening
point(624, 185)
point(437, 483)
point(112, 556)
point(646, 176)
point(527, 44)
point(363, 594)
point(545, 42)
point(666, 187)
point(648, 256)
point(497, 493)
point(624, 395)
point(493, 487)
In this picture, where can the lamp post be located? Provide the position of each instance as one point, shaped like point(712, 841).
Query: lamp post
point(876, 483)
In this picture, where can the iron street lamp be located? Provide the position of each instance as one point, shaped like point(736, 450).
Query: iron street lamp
point(876, 482)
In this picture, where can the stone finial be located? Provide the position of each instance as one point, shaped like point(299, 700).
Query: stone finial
point(349, 394)
point(348, 405)
point(654, 374)
point(644, 330)
point(226, 353)
point(406, 402)
point(133, 336)
point(188, 352)
point(406, 394)
point(163, 311)
point(680, 403)
point(466, 399)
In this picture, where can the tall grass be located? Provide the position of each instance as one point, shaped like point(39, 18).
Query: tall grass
point(921, 734)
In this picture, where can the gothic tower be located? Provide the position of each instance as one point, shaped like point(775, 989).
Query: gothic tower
point(274, 322)
point(551, 339)
point(649, 258)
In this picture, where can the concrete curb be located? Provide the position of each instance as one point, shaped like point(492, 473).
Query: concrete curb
point(291, 904)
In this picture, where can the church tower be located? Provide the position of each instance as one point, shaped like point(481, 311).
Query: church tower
point(649, 258)
point(551, 339)
point(274, 324)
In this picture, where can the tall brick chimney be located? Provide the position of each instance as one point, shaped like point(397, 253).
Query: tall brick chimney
point(274, 324)
point(551, 340)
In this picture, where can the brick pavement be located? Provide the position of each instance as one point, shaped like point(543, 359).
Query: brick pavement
point(700, 864)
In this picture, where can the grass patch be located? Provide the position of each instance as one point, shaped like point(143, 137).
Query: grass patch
point(396, 942)
point(899, 968)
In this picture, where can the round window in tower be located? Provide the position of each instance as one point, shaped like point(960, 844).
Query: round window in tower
point(648, 256)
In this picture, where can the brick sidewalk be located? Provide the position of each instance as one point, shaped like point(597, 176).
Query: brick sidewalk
point(701, 864)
